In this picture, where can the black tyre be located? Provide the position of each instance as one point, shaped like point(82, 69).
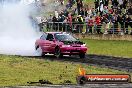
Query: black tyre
point(39, 51)
point(82, 55)
point(58, 52)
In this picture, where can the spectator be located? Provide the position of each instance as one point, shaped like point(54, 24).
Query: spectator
point(130, 21)
point(98, 24)
point(66, 13)
point(121, 21)
point(112, 15)
point(127, 22)
point(56, 14)
point(39, 21)
point(129, 11)
point(54, 20)
point(49, 21)
point(118, 11)
point(65, 24)
point(89, 11)
point(60, 20)
point(106, 22)
point(80, 23)
point(93, 12)
point(114, 3)
point(120, 3)
point(114, 24)
point(79, 5)
point(106, 2)
point(105, 11)
point(90, 24)
point(73, 11)
point(69, 4)
point(125, 4)
point(96, 6)
point(62, 2)
point(85, 12)
point(81, 12)
point(101, 8)
point(87, 21)
point(111, 10)
point(70, 21)
point(74, 24)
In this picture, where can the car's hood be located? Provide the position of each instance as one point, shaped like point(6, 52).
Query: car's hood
point(72, 42)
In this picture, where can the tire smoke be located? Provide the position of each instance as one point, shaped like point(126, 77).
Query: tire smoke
point(17, 30)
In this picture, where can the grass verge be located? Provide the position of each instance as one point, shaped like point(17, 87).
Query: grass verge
point(16, 71)
point(109, 47)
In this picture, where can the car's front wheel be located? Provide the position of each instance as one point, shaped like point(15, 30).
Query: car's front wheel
point(39, 51)
point(58, 52)
point(82, 55)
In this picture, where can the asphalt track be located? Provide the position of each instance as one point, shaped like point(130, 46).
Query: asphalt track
point(117, 63)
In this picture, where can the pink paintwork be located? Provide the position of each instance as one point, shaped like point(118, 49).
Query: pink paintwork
point(50, 42)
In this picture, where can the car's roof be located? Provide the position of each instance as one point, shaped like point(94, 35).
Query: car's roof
point(55, 32)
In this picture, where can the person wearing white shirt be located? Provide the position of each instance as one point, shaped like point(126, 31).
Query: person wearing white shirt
point(56, 14)
point(120, 3)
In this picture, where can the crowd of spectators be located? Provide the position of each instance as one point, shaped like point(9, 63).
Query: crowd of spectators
point(103, 16)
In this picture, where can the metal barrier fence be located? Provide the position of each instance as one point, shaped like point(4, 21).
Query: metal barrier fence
point(84, 28)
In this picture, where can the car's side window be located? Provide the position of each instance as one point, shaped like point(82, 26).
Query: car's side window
point(44, 36)
point(49, 37)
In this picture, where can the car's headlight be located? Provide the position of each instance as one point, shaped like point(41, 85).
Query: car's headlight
point(83, 45)
point(65, 45)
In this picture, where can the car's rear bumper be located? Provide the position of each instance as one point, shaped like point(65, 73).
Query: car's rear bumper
point(73, 50)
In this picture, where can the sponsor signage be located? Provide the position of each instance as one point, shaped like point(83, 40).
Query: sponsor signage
point(103, 78)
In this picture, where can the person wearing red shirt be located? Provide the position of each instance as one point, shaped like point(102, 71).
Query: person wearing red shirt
point(70, 21)
point(90, 24)
point(98, 24)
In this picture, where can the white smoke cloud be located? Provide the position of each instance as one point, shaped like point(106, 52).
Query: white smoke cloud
point(17, 34)
point(27, 1)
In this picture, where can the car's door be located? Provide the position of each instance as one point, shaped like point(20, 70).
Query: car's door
point(50, 44)
point(42, 42)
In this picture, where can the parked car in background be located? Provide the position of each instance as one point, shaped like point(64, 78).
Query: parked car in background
point(59, 44)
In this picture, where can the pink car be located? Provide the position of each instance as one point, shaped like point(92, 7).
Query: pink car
point(59, 44)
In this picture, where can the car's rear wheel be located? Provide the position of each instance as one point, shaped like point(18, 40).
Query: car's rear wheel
point(82, 55)
point(58, 52)
point(39, 51)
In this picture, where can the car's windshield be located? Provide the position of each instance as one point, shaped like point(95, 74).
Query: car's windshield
point(64, 37)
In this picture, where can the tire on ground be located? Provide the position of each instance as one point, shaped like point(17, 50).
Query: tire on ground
point(58, 52)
